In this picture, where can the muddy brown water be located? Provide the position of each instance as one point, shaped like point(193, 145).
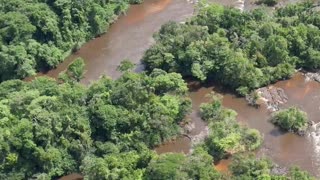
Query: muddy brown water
point(286, 149)
point(127, 38)
point(131, 35)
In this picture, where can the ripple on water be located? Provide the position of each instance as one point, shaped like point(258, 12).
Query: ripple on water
point(314, 137)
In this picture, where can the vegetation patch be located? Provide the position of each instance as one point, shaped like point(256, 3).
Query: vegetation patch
point(38, 35)
point(106, 131)
point(249, 167)
point(241, 50)
point(49, 129)
point(226, 135)
point(291, 119)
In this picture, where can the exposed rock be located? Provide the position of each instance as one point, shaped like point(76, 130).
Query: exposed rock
point(312, 76)
point(239, 4)
point(278, 170)
point(271, 96)
point(189, 127)
point(313, 135)
point(301, 132)
point(254, 99)
point(193, 1)
point(199, 138)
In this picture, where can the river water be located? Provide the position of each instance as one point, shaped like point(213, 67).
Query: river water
point(127, 38)
point(286, 149)
point(131, 35)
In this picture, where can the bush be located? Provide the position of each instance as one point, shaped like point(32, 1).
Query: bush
point(226, 135)
point(291, 119)
point(249, 167)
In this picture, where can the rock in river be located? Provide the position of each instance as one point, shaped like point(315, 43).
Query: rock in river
point(271, 96)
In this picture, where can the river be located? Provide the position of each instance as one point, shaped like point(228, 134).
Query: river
point(127, 38)
point(131, 35)
point(286, 149)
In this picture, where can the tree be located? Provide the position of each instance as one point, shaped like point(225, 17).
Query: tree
point(166, 167)
point(276, 50)
point(178, 166)
point(114, 166)
point(248, 167)
point(211, 111)
point(49, 129)
point(125, 66)
point(295, 174)
point(50, 30)
point(291, 119)
point(15, 62)
point(75, 71)
point(45, 134)
point(15, 28)
point(226, 136)
point(155, 103)
point(224, 45)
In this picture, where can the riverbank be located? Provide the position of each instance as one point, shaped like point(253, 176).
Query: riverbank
point(127, 38)
point(284, 148)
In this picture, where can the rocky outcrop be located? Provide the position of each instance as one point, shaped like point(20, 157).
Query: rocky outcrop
point(193, 1)
point(314, 135)
point(239, 4)
point(272, 96)
point(278, 170)
point(200, 137)
point(312, 76)
point(189, 127)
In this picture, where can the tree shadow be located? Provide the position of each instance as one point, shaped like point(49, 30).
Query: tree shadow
point(276, 132)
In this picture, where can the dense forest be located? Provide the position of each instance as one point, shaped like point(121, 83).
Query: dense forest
point(50, 128)
point(241, 50)
point(38, 34)
point(105, 131)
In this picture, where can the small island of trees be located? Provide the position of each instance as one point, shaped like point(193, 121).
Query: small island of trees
point(291, 119)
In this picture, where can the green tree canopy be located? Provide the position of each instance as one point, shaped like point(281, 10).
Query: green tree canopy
point(226, 135)
point(291, 119)
point(48, 129)
point(47, 31)
point(241, 50)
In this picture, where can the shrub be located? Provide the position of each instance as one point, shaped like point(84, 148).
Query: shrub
point(291, 119)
